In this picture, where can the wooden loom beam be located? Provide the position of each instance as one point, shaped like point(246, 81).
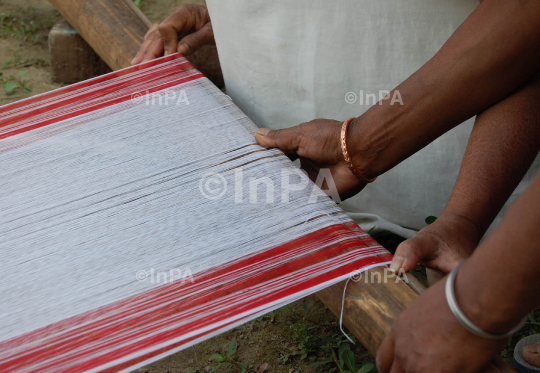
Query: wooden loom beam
point(115, 29)
point(370, 309)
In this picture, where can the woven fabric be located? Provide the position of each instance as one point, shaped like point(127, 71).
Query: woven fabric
point(139, 216)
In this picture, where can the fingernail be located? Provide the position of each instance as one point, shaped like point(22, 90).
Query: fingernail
point(166, 53)
point(262, 131)
point(184, 48)
point(397, 262)
point(133, 61)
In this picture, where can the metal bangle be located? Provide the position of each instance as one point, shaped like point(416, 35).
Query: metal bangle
point(343, 140)
point(460, 316)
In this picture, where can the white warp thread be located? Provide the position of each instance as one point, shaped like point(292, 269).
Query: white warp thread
point(89, 202)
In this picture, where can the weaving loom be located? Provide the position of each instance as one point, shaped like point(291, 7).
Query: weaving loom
point(139, 217)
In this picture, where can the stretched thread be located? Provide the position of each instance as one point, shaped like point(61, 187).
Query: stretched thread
point(97, 186)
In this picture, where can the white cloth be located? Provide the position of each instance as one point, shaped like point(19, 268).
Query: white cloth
point(290, 61)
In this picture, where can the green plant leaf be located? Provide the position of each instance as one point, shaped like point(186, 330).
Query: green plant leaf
point(232, 347)
point(306, 306)
point(366, 368)
point(216, 367)
point(22, 74)
point(9, 87)
point(217, 357)
point(430, 220)
point(348, 358)
point(27, 89)
point(343, 347)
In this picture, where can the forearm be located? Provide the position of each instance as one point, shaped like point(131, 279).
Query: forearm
point(492, 53)
point(500, 284)
point(503, 144)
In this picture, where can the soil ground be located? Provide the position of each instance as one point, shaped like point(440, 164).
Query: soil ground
point(272, 343)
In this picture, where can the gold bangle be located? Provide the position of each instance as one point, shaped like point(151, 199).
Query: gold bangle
point(356, 172)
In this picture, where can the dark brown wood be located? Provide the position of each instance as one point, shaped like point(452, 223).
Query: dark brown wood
point(111, 28)
point(72, 59)
point(115, 29)
point(371, 308)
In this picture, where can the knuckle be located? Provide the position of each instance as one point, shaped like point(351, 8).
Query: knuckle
point(182, 9)
point(151, 32)
point(203, 13)
point(162, 28)
point(303, 128)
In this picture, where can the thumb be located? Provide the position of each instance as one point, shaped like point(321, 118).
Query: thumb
point(287, 140)
point(192, 42)
point(408, 254)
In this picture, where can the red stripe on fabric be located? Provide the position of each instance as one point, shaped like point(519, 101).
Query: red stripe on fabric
point(96, 107)
point(99, 91)
point(175, 290)
point(90, 82)
point(107, 323)
point(329, 276)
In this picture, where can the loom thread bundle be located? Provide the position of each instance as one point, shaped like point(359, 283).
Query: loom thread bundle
point(105, 180)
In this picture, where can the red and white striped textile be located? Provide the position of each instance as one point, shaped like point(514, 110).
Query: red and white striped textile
point(138, 216)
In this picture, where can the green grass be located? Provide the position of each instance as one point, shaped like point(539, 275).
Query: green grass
point(10, 84)
point(28, 25)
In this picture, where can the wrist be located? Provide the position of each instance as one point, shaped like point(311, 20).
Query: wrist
point(365, 145)
point(483, 305)
point(466, 230)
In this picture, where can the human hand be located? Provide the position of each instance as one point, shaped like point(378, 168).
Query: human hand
point(441, 245)
point(189, 22)
point(317, 145)
point(427, 338)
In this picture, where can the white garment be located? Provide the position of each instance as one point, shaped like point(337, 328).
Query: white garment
point(290, 61)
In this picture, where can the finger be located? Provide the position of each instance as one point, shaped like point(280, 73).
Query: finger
point(385, 355)
point(148, 39)
point(170, 28)
point(183, 19)
point(192, 42)
point(408, 254)
point(287, 140)
point(154, 50)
